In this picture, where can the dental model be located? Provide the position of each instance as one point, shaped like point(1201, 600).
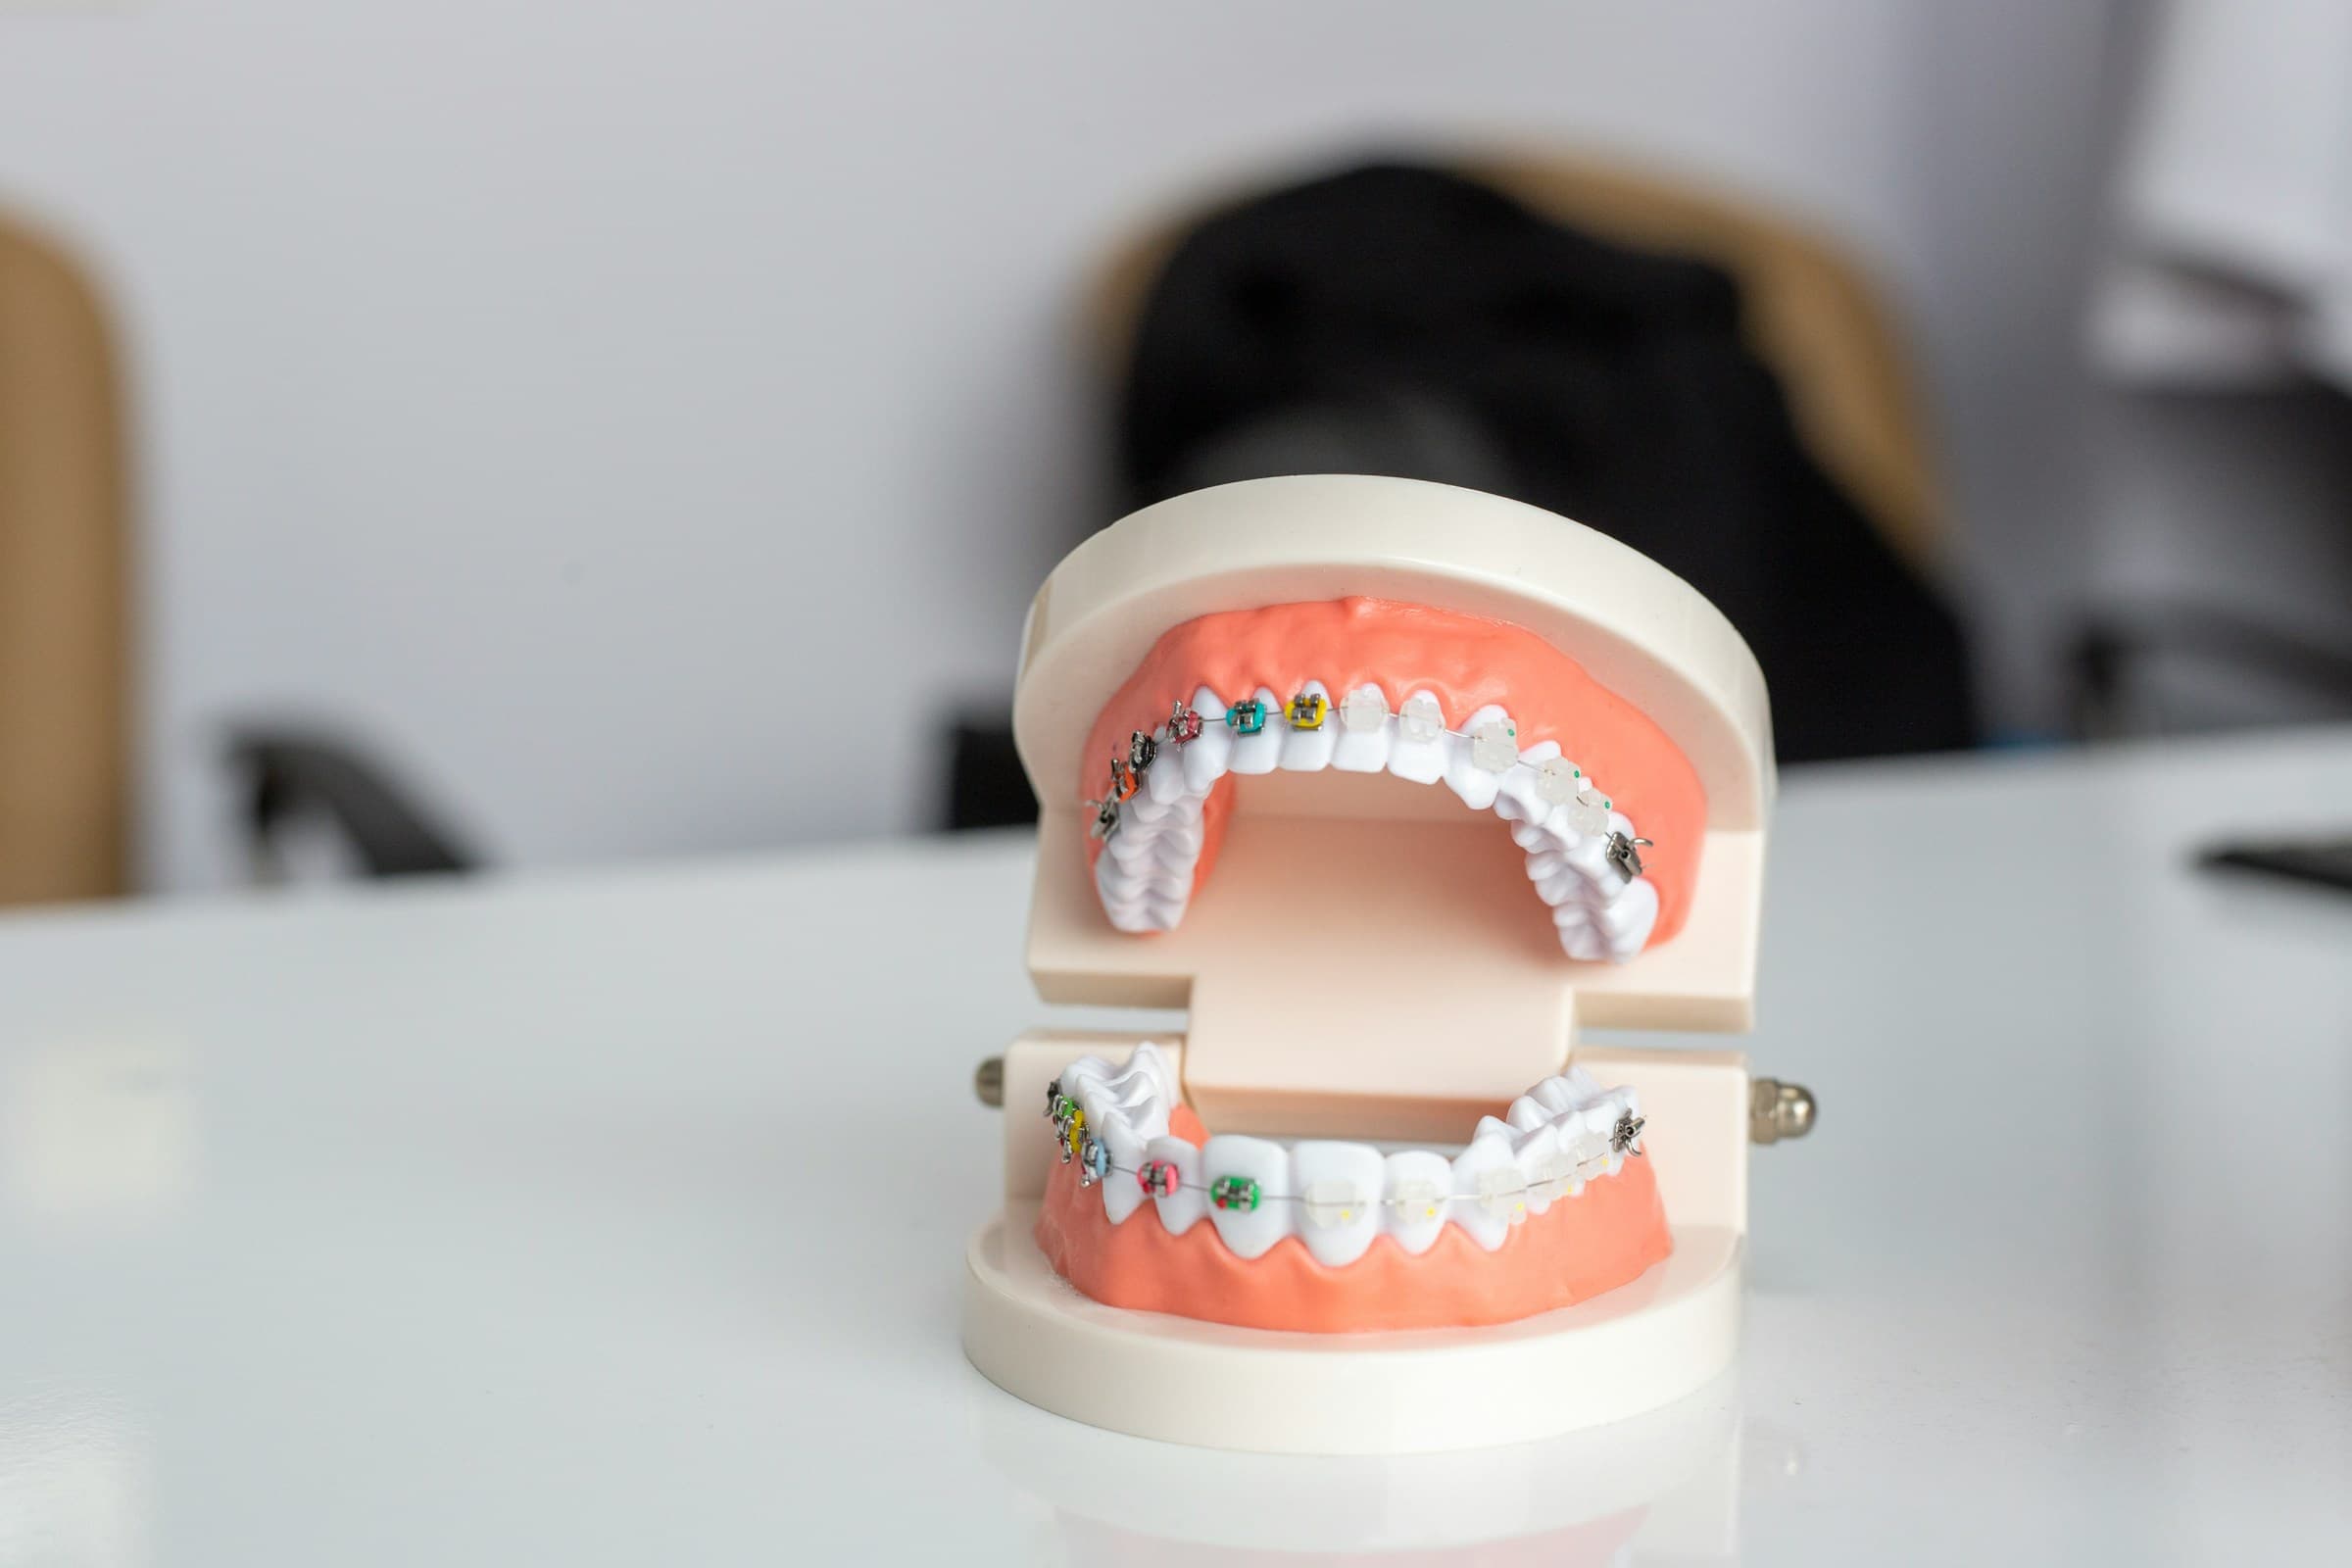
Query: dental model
point(1388, 785)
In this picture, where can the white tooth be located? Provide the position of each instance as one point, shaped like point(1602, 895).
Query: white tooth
point(1148, 1066)
point(1627, 919)
point(1467, 770)
point(1163, 780)
point(1204, 756)
point(1479, 1173)
point(1581, 1084)
point(1129, 908)
point(1415, 1201)
point(1600, 1122)
point(1535, 837)
point(1584, 943)
point(1363, 750)
point(1339, 1191)
point(1308, 750)
point(1543, 1166)
point(1526, 1114)
point(1179, 1210)
point(1418, 753)
point(1493, 1127)
point(1556, 1094)
point(1231, 1163)
point(1556, 888)
point(1122, 1195)
point(1590, 857)
point(1258, 752)
point(1515, 797)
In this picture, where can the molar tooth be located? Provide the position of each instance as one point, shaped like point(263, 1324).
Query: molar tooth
point(1582, 942)
point(1181, 1208)
point(1149, 1065)
point(1205, 757)
point(1308, 750)
point(1600, 1122)
point(1480, 1208)
point(1340, 1189)
point(1415, 1201)
point(1557, 887)
point(1250, 1225)
point(1418, 753)
point(1631, 911)
point(1259, 752)
point(1590, 856)
point(1535, 837)
point(1557, 1094)
point(1581, 1084)
point(1466, 774)
point(1526, 1113)
point(1363, 750)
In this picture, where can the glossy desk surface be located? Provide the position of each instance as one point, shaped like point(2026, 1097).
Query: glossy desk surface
point(618, 1217)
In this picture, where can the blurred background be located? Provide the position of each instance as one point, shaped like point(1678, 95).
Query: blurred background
point(438, 435)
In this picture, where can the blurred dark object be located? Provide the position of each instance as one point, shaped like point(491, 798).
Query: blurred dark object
point(293, 779)
point(1404, 320)
point(986, 787)
point(2131, 664)
point(2320, 863)
point(65, 661)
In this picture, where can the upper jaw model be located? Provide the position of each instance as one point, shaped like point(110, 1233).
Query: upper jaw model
point(1360, 685)
point(1390, 786)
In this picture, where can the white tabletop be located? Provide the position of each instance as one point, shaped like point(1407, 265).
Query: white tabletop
point(619, 1218)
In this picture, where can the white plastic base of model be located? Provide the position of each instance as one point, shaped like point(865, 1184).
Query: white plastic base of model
point(1632, 1349)
point(1671, 1476)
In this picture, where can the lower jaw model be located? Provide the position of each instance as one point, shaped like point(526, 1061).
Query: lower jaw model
point(1549, 1204)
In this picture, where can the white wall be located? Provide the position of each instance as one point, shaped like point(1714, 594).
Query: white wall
point(645, 419)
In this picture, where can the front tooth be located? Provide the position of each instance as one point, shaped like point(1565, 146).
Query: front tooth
point(1205, 755)
point(1308, 750)
point(1249, 1192)
point(1258, 752)
point(1340, 1189)
point(1179, 1210)
point(1467, 770)
point(1484, 1204)
point(1363, 750)
point(1418, 751)
point(1416, 1199)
